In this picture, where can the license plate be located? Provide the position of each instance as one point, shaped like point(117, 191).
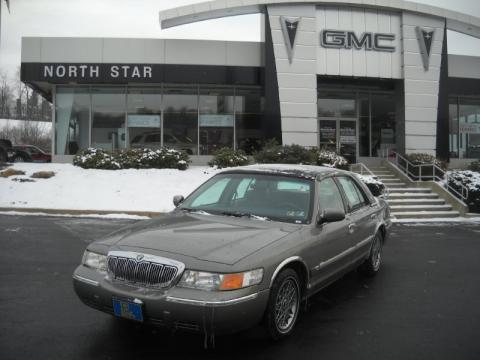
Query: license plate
point(127, 309)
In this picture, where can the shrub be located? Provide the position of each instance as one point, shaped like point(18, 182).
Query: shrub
point(423, 159)
point(273, 153)
point(474, 166)
point(96, 159)
point(43, 175)
point(163, 158)
point(427, 172)
point(471, 180)
point(11, 172)
point(227, 157)
point(330, 159)
point(375, 186)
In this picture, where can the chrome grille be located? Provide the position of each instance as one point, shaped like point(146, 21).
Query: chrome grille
point(142, 269)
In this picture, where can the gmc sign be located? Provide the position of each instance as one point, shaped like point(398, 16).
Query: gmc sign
point(339, 39)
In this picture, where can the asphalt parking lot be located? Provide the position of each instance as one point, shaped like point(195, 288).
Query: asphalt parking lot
point(423, 305)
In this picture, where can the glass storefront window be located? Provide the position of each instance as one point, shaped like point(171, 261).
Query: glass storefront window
point(453, 127)
point(144, 118)
point(72, 120)
point(216, 119)
point(469, 128)
point(249, 119)
point(108, 118)
point(180, 115)
point(383, 124)
point(336, 104)
point(364, 125)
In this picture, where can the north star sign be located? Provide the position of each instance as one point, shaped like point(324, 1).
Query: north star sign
point(93, 71)
point(340, 39)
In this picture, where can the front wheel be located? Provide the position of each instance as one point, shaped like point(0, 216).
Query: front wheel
point(283, 304)
point(371, 266)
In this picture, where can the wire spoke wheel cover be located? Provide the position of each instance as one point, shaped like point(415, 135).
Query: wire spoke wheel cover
point(287, 305)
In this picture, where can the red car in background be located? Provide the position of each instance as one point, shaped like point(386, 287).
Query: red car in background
point(36, 154)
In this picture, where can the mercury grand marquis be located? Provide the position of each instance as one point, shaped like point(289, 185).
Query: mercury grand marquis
point(246, 247)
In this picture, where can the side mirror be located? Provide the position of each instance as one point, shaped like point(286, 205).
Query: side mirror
point(177, 200)
point(331, 215)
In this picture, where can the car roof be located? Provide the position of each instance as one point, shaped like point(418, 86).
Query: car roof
point(303, 171)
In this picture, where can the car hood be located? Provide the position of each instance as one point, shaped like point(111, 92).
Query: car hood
point(219, 239)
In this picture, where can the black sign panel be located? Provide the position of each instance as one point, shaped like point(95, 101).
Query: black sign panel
point(61, 73)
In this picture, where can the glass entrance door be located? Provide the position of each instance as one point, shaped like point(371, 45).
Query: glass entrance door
point(339, 135)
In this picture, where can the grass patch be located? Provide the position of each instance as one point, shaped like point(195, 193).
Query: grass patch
point(43, 175)
point(11, 172)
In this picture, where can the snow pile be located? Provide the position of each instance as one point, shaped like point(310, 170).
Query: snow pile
point(376, 187)
point(331, 159)
point(369, 179)
point(91, 189)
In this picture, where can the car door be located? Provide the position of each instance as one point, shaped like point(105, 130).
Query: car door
point(361, 217)
point(329, 249)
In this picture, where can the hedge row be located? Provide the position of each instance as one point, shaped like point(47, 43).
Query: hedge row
point(273, 153)
point(132, 159)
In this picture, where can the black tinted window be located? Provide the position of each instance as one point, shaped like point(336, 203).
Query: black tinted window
point(354, 195)
point(329, 196)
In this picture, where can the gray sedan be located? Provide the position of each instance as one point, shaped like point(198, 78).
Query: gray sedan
point(248, 246)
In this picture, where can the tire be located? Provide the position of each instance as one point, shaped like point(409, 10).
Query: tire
point(372, 265)
point(282, 316)
point(19, 158)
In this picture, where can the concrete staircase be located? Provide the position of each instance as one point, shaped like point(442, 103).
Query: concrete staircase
point(408, 202)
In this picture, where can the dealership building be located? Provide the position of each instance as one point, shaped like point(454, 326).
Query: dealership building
point(361, 77)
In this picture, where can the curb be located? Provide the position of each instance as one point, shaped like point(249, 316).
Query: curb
point(81, 212)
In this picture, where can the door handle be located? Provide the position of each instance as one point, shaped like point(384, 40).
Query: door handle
point(373, 216)
point(351, 228)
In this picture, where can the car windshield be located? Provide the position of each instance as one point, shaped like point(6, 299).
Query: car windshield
point(258, 196)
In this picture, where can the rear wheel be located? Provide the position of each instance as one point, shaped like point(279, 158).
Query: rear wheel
point(283, 304)
point(371, 266)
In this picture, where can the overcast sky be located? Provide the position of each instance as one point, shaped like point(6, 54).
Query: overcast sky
point(139, 18)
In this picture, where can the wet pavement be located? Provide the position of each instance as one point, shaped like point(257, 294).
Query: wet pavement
point(424, 304)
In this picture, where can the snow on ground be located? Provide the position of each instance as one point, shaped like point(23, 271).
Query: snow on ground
point(88, 216)
point(414, 222)
point(118, 190)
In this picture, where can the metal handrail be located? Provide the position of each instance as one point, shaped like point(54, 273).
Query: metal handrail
point(363, 168)
point(437, 174)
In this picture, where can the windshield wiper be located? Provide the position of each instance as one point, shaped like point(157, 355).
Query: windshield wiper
point(195, 211)
point(244, 214)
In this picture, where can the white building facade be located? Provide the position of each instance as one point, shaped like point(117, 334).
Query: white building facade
point(364, 78)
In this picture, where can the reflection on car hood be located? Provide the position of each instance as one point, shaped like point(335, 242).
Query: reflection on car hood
point(220, 239)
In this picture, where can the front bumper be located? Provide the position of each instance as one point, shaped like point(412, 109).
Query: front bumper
point(178, 308)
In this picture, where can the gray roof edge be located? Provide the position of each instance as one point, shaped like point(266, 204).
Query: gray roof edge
point(221, 8)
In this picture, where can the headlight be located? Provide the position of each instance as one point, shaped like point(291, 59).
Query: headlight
point(95, 261)
point(210, 281)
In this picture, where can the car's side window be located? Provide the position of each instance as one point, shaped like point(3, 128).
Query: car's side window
point(329, 196)
point(354, 195)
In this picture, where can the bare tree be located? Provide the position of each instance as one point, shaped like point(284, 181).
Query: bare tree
point(27, 132)
point(6, 96)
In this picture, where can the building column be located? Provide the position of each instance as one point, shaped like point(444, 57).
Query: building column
point(421, 84)
point(297, 80)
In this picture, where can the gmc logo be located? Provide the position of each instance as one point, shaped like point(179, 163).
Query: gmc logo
point(339, 39)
